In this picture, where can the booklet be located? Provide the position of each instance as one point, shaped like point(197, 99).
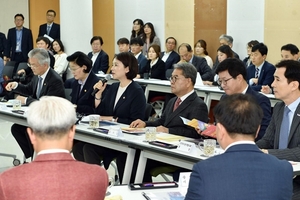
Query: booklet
point(207, 129)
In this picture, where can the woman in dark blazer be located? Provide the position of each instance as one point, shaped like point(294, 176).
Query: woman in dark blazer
point(123, 102)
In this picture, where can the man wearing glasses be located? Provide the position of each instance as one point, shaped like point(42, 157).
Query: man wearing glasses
point(45, 82)
point(233, 79)
point(50, 28)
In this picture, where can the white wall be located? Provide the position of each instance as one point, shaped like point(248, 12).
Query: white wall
point(9, 8)
point(149, 11)
point(245, 22)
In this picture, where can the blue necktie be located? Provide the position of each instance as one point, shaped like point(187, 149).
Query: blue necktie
point(39, 87)
point(48, 29)
point(284, 129)
point(256, 72)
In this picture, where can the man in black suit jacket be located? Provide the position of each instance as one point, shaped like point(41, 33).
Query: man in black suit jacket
point(99, 57)
point(232, 76)
point(282, 137)
point(186, 104)
point(46, 82)
point(136, 45)
point(2, 44)
point(186, 53)
point(170, 57)
point(19, 42)
point(50, 28)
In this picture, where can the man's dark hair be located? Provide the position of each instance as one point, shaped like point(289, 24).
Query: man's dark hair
point(173, 39)
point(136, 41)
point(45, 39)
point(123, 41)
point(291, 48)
point(96, 38)
point(51, 11)
point(19, 15)
point(187, 46)
point(234, 67)
point(239, 114)
point(261, 47)
point(81, 59)
point(292, 70)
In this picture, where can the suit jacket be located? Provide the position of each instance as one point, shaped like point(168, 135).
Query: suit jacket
point(54, 31)
point(142, 61)
point(52, 86)
point(11, 44)
point(270, 140)
point(2, 44)
point(203, 68)
point(172, 59)
point(157, 71)
point(130, 106)
point(101, 63)
point(85, 101)
point(242, 172)
point(52, 176)
point(265, 77)
point(192, 107)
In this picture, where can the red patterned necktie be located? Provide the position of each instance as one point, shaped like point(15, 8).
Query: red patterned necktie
point(177, 103)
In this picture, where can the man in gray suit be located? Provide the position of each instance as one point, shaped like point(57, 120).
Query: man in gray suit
point(282, 137)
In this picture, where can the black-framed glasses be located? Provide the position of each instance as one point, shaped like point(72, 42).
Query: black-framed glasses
point(224, 82)
point(174, 78)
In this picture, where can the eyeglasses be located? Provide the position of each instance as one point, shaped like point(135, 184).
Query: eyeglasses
point(73, 70)
point(224, 82)
point(174, 78)
point(31, 66)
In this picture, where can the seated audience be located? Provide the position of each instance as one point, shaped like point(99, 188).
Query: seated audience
point(123, 44)
point(137, 29)
point(149, 37)
point(242, 171)
point(186, 104)
point(261, 71)
point(170, 56)
point(45, 82)
point(99, 57)
point(282, 137)
point(61, 63)
point(247, 60)
point(54, 171)
point(124, 102)
point(232, 78)
point(200, 50)
point(186, 54)
point(82, 87)
point(136, 46)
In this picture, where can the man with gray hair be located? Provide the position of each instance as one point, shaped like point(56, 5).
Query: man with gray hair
point(53, 172)
point(46, 82)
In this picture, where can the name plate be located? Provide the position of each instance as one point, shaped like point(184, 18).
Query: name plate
point(188, 147)
point(115, 131)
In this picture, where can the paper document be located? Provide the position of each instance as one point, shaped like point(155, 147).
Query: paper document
point(207, 129)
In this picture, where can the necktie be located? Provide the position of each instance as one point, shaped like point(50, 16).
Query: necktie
point(284, 129)
point(48, 30)
point(39, 87)
point(177, 103)
point(256, 72)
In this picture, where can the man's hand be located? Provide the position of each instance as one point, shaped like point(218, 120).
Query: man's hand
point(162, 129)
point(10, 86)
point(137, 124)
point(21, 71)
point(265, 151)
point(265, 89)
point(255, 81)
point(22, 99)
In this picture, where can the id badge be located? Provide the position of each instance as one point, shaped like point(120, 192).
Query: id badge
point(18, 47)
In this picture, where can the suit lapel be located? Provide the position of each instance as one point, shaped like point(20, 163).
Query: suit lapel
point(122, 97)
point(295, 123)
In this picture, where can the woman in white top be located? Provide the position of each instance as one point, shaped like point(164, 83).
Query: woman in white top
point(200, 50)
point(60, 56)
point(149, 37)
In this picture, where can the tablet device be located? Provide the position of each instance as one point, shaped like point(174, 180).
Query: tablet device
point(164, 145)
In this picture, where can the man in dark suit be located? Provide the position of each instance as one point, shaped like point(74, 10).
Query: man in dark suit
point(243, 171)
point(19, 42)
point(99, 57)
point(51, 121)
point(46, 82)
point(2, 44)
point(282, 137)
point(136, 46)
point(186, 104)
point(186, 53)
point(50, 28)
point(170, 57)
point(261, 71)
point(232, 77)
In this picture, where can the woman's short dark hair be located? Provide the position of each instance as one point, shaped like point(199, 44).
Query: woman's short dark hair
point(156, 48)
point(62, 48)
point(81, 59)
point(128, 60)
point(227, 50)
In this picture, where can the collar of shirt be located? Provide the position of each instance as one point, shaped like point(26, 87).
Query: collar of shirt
point(19, 29)
point(83, 82)
point(95, 54)
point(240, 142)
point(293, 106)
point(260, 66)
point(166, 56)
point(186, 96)
point(137, 55)
point(191, 59)
point(46, 151)
point(45, 74)
point(154, 62)
point(50, 25)
point(245, 90)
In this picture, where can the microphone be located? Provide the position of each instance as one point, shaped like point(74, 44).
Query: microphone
point(106, 78)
